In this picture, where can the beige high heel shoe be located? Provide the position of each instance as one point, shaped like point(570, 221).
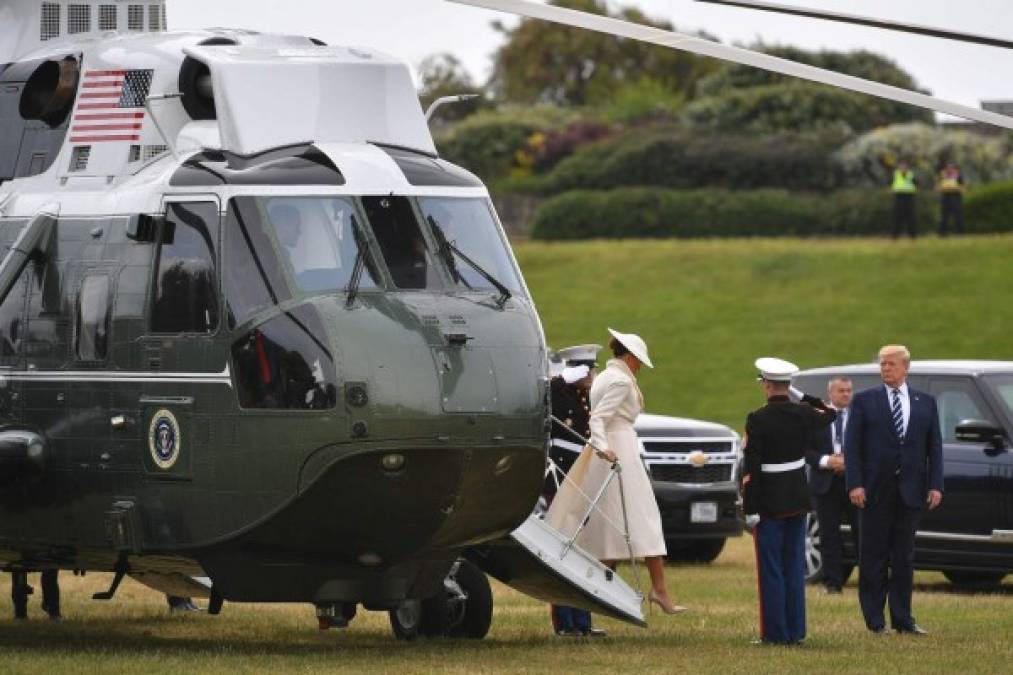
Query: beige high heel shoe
point(654, 599)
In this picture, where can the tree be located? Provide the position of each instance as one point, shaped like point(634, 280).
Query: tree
point(444, 75)
point(545, 63)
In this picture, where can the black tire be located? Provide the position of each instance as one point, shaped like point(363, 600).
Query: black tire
point(813, 556)
point(477, 618)
point(974, 579)
point(406, 620)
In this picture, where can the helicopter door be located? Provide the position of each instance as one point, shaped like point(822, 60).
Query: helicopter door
point(537, 560)
point(181, 352)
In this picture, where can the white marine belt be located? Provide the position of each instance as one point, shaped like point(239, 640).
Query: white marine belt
point(567, 445)
point(782, 467)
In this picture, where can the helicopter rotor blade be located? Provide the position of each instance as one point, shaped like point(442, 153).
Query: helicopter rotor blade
point(704, 47)
point(865, 21)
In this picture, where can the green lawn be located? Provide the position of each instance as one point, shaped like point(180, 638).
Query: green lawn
point(708, 309)
point(134, 633)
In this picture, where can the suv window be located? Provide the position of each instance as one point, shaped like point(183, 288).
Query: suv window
point(958, 400)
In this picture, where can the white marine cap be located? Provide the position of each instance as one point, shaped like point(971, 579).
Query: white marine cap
point(581, 354)
point(775, 370)
point(635, 344)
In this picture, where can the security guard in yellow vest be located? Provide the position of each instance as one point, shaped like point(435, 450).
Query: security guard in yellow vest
point(951, 200)
point(904, 193)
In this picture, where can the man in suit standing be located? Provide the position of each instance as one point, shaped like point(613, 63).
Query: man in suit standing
point(894, 468)
point(826, 483)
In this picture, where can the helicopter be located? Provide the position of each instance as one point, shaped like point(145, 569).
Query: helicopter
point(258, 342)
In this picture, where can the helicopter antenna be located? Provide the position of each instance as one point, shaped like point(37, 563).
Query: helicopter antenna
point(864, 21)
point(747, 57)
point(444, 100)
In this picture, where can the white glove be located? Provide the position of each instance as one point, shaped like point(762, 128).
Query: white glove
point(575, 374)
point(752, 520)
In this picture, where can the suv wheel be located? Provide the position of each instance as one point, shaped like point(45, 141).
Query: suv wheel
point(813, 556)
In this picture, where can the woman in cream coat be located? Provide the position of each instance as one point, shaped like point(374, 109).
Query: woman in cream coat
point(615, 403)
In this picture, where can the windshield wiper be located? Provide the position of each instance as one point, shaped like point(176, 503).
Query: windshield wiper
point(448, 250)
point(360, 263)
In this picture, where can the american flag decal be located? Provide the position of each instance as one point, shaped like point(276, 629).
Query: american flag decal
point(111, 106)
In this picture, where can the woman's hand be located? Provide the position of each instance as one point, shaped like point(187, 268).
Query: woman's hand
point(607, 455)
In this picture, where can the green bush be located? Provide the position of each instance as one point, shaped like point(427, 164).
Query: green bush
point(487, 143)
point(670, 157)
point(871, 158)
point(650, 213)
point(796, 106)
point(989, 208)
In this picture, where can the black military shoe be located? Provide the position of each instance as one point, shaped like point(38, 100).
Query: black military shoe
point(879, 630)
point(913, 629)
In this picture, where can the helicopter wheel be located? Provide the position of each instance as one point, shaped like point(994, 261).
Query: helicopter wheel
point(463, 609)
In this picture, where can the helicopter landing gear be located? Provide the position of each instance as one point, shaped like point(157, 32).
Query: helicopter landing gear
point(335, 616)
point(462, 609)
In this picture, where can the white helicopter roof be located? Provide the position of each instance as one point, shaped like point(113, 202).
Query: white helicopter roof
point(268, 97)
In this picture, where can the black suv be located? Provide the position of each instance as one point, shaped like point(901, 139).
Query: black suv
point(694, 471)
point(969, 538)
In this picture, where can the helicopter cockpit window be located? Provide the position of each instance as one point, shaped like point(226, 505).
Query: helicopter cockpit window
point(285, 363)
point(404, 248)
point(468, 226)
point(319, 241)
point(186, 298)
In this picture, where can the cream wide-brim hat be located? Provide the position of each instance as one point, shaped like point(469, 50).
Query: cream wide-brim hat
point(635, 344)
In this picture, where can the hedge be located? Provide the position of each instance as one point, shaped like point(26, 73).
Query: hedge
point(668, 157)
point(645, 213)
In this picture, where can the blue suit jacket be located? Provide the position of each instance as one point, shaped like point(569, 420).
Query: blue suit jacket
point(873, 451)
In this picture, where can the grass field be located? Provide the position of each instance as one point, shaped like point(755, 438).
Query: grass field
point(708, 309)
point(135, 633)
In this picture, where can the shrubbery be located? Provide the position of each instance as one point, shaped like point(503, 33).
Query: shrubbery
point(668, 157)
point(643, 212)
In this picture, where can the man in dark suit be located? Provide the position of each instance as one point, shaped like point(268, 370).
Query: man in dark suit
point(826, 483)
point(894, 467)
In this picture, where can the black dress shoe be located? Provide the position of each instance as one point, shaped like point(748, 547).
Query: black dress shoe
point(879, 630)
point(832, 590)
point(913, 629)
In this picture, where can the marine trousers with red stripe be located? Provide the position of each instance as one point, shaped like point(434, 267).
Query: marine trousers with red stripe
point(780, 563)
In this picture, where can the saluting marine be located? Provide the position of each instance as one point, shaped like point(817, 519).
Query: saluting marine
point(570, 405)
point(776, 498)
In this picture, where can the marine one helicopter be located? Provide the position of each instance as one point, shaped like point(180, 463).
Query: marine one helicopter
point(258, 343)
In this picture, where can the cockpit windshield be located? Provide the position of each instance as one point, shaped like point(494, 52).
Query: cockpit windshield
point(468, 225)
point(313, 241)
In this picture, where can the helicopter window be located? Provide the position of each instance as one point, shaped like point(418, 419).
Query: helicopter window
point(12, 321)
point(318, 241)
point(469, 226)
point(404, 248)
point(93, 318)
point(285, 364)
point(186, 299)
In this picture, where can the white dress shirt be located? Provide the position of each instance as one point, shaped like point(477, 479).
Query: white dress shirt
point(905, 402)
point(837, 442)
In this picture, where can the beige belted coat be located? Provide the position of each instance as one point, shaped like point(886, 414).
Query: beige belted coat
point(615, 403)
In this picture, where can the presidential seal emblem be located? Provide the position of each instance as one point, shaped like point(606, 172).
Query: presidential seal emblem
point(163, 439)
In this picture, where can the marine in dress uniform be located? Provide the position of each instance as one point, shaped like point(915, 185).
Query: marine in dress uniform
point(570, 405)
point(776, 498)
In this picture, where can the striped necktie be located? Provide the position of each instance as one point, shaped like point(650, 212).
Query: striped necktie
point(898, 413)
